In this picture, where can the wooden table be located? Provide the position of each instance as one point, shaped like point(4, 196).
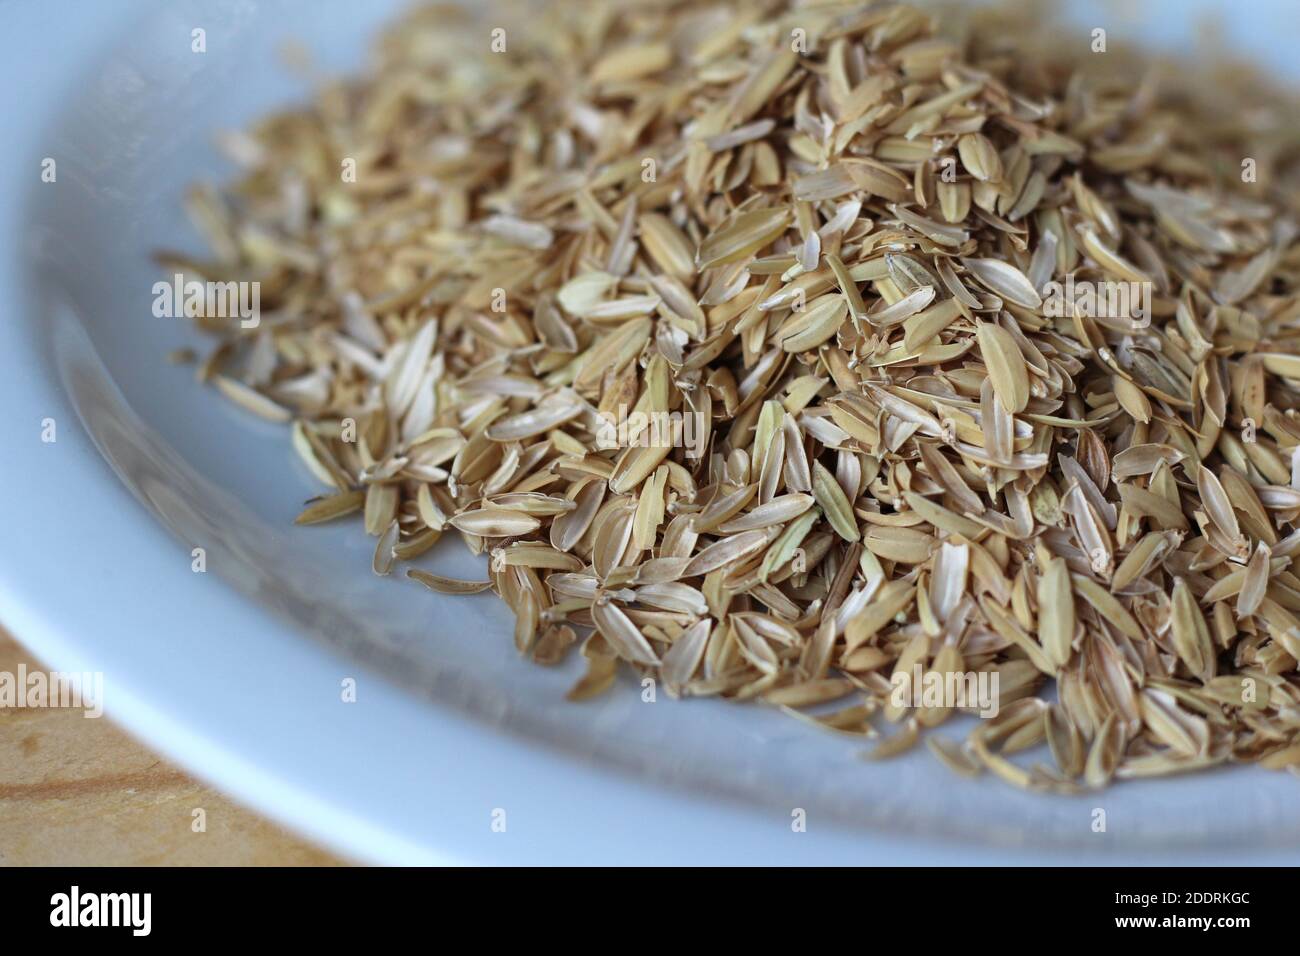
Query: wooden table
point(80, 792)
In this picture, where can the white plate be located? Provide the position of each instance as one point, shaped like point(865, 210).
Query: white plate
point(236, 673)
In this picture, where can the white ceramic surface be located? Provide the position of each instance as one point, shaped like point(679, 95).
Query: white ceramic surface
point(236, 673)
